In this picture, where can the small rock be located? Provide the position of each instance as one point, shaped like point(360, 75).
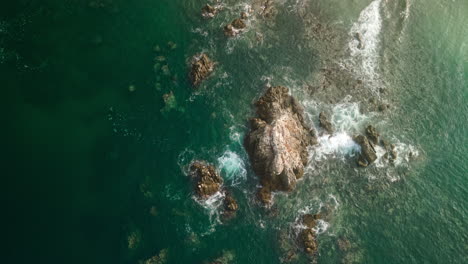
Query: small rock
point(209, 11)
point(201, 68)
point(324, 123)
point(234, 28)
point(372, 134)
point(368, 153)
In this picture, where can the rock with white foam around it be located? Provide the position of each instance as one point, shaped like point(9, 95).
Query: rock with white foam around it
point(277, 142)
point(307, 239)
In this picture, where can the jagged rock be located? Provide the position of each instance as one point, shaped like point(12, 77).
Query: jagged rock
point(209, 11)
point(277, 142)
point(368, 153)
point(230, 206)
point(234, 28)
point(206, 179)
point(244, 15)
point(202, 67)
point(324, 123)
point(372, 134)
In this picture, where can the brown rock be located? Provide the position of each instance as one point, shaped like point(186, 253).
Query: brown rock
point(206, 180)
point(202, 67)
point(234, 28)
point(277, 142)
point(324, 123)
point(209, 11)
point(372, 134)
point(309, 220)
point(308, 241)
point(230, 206)
point(368, 153)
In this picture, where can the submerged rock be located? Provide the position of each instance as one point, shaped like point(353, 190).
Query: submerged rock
point(161, 258)
point(368, 153)
point(324, 123)
point(201, 68)
point(206, 179)
point(277, 142)
point(235, 27)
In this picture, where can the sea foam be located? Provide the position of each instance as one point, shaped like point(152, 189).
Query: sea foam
point(232, 167)
point(365, 48)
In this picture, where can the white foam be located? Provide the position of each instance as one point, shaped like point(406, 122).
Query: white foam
point(365, 52)
point(347, 120)
point(339, 145)
point(346, 117)
point(211, 205)
point(321, 227)
point(232, 167)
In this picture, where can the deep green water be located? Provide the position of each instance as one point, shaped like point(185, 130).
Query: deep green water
point(89, 164)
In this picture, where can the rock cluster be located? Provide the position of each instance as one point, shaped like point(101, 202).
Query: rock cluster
point(207, 182)
point(277, 142)
point(368, 143)
point(201, 67)
point(307, 239)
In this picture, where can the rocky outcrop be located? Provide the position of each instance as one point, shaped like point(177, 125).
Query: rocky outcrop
point(368, 153)
point(235, 27)
point(209, 11)
point(324, 123)
point(277, 142)
point(206, 179)
point(307, 239)
point(201, 68)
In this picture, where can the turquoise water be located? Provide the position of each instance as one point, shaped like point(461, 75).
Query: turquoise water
point(96, 161)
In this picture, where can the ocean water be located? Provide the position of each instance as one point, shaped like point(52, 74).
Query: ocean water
point(95, 159)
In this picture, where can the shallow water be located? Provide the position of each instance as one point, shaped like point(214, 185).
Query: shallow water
point(96, 160)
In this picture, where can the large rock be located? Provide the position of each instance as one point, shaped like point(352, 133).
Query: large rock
point(209, 11)
point(201, 68)
point(368, 153)
point(206, 179)
point(277, 142)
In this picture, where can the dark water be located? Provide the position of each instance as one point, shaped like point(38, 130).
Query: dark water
point(94, 160)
